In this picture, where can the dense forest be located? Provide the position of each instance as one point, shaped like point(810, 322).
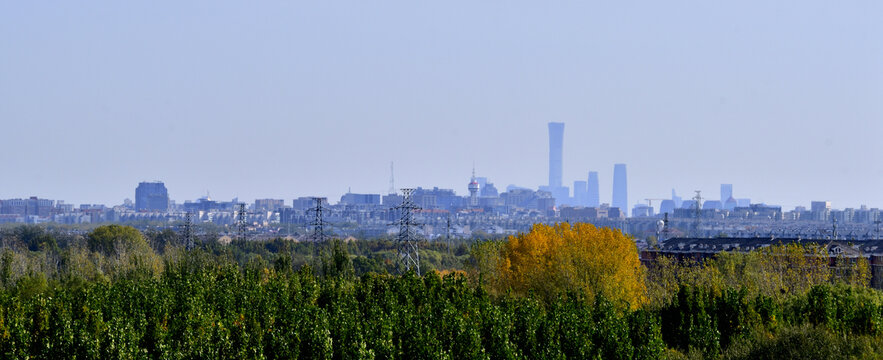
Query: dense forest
point(562, 291)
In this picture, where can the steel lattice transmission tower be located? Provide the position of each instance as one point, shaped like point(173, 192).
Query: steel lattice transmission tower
point(318, 223)
point(188, 230)
point(448, 235)
point(240, 222)
point(698, 220)
point(877, 222)
point(407, 239)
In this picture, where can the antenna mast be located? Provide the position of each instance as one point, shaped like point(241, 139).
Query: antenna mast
point(392, 179)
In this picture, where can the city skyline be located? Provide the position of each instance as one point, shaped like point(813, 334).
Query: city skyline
point(585, 199)
point(299, 99)
point(583, 193)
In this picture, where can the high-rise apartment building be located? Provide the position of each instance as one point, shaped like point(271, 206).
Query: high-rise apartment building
point(268, 204)
point(594, 191)
point(304, 202)
point(620, 187)
point(821, 210)
point(31, 206)
point(488, 190)
point(820, 206)
point(677, 199)
point(151, 196)
point(556, 152)
point(360, 199)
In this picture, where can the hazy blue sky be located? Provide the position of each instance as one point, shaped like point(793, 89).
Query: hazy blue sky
point(784, 99)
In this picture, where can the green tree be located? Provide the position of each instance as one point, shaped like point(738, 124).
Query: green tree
point(35, 238)
point(337, 263)
point(6, 276)
point(111, 239)
point(160, 240)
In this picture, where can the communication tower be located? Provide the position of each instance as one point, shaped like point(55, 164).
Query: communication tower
point(473, 190)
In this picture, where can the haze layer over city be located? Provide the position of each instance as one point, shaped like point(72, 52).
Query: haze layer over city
point(286, 100)
point(441, 180)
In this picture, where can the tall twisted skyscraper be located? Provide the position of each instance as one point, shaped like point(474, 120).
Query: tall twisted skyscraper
point(620, 187)
point(556, 150)
point(594, 190)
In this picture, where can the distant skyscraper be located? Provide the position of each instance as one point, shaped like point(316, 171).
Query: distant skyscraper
point(726, 192)
point(667, 206)
point(482, 181)
point(151, 196)
point(620, 187)
point(556, 150)
point(594, 194)
point(731, 204)
point(677, 199)
point(580, 193)
point(488, 190)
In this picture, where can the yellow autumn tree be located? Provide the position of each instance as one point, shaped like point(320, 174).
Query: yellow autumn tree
point(549, 260)
point(790, 269)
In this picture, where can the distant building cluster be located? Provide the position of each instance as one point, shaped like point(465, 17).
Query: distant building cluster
point(586, 200)
point(482, 208)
